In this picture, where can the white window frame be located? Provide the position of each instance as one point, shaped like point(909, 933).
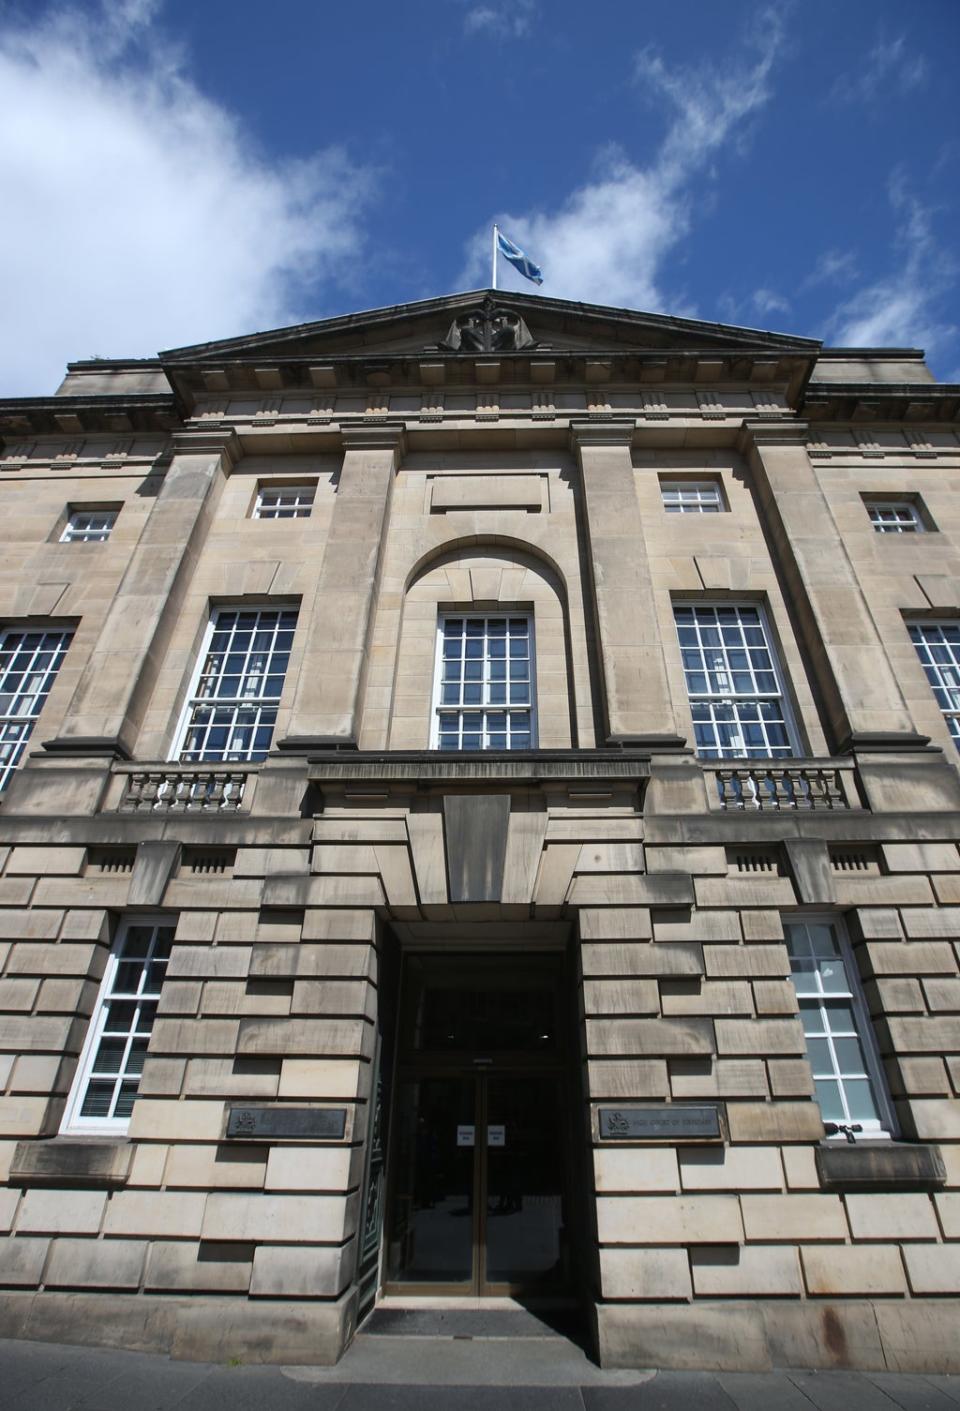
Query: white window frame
point(16, 724)
point(693, 497)
point(732, 698)
point(937, 678)
point(195, 701)
point(284, 499)
point(88, 526)
point(74, 1124)
point(907, 518)
point(884, 1125)
point(485, 707)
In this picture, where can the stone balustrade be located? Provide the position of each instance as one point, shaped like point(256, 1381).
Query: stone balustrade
point(176, 789)
point(777, 787)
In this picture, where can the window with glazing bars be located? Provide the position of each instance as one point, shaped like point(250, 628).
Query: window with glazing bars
point(284, 501)
point(938, 647)
point(691, 497)
point(484, 695)
point(232, 709)
point(88, 526)
point(737, 699)
point(29, 662)
point(111, 1063)
point(836, 1027)
point(895, 517)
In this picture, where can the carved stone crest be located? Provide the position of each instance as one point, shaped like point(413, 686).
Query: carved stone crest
point(488, 328)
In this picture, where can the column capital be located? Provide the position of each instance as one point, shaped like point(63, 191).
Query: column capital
point(206, 441)
point(601, 433)
point(772, 432)
point(389, 436)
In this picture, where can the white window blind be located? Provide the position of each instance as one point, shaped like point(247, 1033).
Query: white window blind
point(938, 647)
point(111, 1062)
point(691, 497)
point(895, 517)
point(88, 526)
point(484, 683)
point(231, 711)
point(737, 699)
point(836, 1027)
point(29, 662)
point(284, 501)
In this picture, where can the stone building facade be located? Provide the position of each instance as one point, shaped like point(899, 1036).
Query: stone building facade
point(481, 817)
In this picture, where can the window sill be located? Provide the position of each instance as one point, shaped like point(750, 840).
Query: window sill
point(71, 1161)
point(879, 1164)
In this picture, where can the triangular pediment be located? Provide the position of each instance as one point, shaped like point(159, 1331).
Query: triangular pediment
point(490, 321)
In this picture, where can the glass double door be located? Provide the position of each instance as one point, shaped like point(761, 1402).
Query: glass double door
point(478, 1191)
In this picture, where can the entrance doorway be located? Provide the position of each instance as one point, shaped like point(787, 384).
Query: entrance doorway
point(479, 1195)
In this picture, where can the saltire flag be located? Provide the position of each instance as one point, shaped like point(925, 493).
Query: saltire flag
point(518, 259)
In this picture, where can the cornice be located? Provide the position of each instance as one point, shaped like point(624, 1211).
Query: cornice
point(882, 401)
point(709, 369)
point(425, 768)
point(73, 416)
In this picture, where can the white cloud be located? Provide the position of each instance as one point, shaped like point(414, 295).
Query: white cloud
point(833, 267)
point(608, 240)
point(507, 19)
point(889, 68)
point(137, 213)
point(768, 301)
point(902, 308)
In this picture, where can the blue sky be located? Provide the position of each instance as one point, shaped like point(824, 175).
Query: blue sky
point(174, 172)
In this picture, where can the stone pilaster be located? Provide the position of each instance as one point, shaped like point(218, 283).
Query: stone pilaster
point(326, 706)
point(863, 703)
point(637, 705)
point(106, 709)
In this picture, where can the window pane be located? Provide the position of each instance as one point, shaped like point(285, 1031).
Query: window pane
point(821, 1060)
point(860, 1100)
point(828, 1096)
point(97, 1100)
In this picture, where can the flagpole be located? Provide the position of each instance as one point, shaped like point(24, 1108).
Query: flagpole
point(494, 277)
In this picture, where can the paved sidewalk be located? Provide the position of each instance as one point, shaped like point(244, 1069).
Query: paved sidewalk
point(410, 1373)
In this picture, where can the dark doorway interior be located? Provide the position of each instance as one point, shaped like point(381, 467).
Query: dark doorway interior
point(480, 1189)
